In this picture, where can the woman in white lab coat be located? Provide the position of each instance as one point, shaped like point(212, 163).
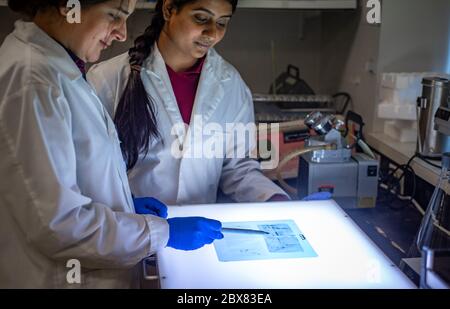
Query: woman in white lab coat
point(173, 78)
point(64, 193)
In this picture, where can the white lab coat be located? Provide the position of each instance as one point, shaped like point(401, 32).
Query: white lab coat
point(64, 192)
point(222, 97)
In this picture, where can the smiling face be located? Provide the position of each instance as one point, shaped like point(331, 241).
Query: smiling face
point(196, 27)
point(100, 25)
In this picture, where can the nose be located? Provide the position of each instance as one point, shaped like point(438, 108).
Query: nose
point(211, 31)
point(120, 33)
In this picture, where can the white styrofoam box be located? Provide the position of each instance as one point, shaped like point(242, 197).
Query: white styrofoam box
point(395, 80)
point(407, 80)
point(402, 131)
point(400, 80)
point(397, 111)
point(403, 96)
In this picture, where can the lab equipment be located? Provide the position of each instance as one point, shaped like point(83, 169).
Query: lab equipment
point(430, 142)
point(190, 233)
point(353, 183)
point(346, 257)
point(281, 240)
point(243, 231)
point(327, 164)
point(150, 206)
point(352, 179)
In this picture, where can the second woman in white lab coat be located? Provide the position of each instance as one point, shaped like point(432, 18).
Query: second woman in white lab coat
point(173, 78)
point(65, 201)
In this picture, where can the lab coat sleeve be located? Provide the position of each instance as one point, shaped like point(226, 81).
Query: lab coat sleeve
point(46, 202)
point(242, 179)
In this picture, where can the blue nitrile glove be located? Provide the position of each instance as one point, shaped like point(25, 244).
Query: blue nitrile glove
point(318, 196)
point(150, 206)
point(190, 233)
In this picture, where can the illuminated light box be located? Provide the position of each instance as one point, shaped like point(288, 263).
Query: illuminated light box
point(344, 255)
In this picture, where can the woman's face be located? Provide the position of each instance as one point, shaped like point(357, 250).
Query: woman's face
point(100, 25)
point(198, 26)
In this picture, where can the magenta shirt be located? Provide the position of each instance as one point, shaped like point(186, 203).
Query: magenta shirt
point(184, 85)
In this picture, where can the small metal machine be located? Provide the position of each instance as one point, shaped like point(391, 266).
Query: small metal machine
point(289, 111)
point(332, 166)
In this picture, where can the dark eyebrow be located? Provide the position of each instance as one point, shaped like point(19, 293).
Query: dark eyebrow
point(211, 13)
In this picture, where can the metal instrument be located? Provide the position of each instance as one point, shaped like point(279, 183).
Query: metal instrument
point(243, 231)
point(351, 178)
point(435, 94)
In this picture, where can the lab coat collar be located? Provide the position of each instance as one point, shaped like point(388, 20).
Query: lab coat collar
point(30, 33)
point(210, 90)
point(156, 65)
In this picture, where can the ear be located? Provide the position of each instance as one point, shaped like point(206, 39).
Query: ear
point(167, 9)
point(63, 10)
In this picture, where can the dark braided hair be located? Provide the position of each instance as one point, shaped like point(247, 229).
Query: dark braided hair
point(135, 115)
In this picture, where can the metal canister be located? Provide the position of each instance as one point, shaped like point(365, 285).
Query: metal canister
point(435, 93)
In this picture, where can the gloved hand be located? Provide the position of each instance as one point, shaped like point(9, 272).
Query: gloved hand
point(318, 196)
point(150, 206)
point(190, 233)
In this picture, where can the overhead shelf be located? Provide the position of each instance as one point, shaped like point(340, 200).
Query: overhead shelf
point(272, 4)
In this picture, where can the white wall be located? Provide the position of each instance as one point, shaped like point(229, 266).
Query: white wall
point(415, 37)
point(349, 45)
point(296, 36)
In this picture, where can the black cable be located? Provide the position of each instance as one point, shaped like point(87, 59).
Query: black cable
point(393, 183)
point(428, 161)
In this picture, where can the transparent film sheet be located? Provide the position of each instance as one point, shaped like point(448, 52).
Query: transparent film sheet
point(284, 241)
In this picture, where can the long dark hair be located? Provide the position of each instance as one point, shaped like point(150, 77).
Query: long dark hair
point(135, 115)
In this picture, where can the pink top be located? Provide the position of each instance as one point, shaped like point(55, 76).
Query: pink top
point(184, 85)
